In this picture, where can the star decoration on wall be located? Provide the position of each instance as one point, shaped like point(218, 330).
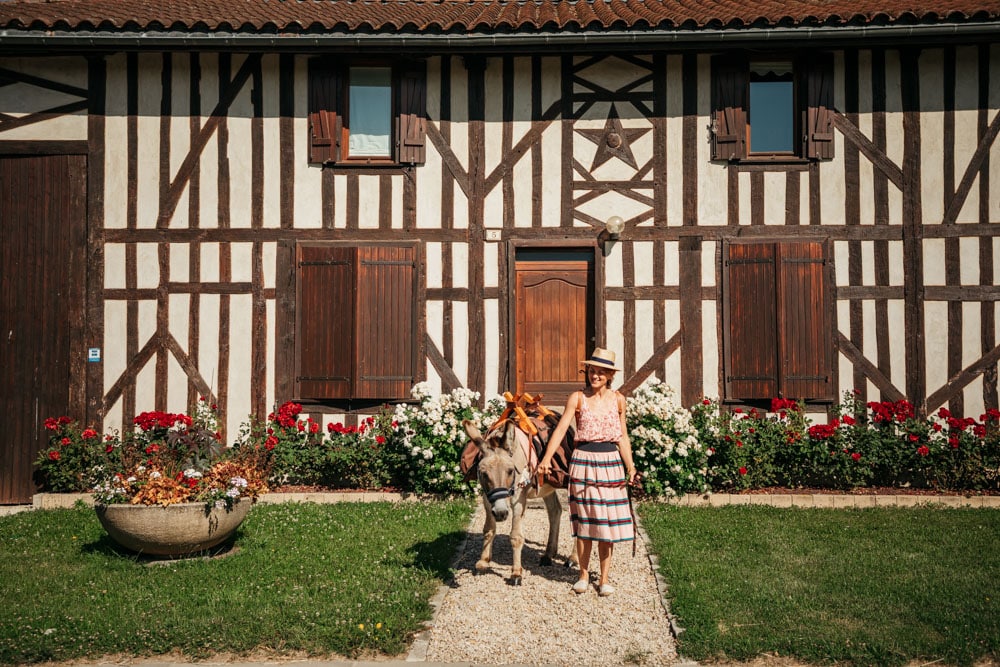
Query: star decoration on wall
point(614, 140)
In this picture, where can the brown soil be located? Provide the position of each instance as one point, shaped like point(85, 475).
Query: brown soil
point(870, 491)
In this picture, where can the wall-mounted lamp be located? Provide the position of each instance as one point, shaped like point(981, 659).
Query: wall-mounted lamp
point(614, 226)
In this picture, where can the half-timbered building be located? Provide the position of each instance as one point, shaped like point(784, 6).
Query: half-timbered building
point(331, 200)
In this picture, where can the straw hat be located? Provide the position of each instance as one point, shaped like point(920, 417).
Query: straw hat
point(602, 359)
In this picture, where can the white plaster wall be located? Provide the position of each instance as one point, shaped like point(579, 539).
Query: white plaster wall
point(23, 99)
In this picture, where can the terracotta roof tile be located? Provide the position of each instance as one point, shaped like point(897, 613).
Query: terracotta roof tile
point(431, 16)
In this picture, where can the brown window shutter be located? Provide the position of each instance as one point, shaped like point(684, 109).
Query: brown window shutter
point(750, 321)
point(819, 107)
point(412, 135)
point(324, 106)
point(325, 322)
point(729, 105)
point(804, 322)
point(386, 311)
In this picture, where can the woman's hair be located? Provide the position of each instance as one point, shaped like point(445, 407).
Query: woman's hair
point(586, 376)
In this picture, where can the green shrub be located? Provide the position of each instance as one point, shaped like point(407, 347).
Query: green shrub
point(427, 442)
point(666, 449)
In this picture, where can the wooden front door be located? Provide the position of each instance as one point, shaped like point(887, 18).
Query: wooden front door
point(554, 320)
point(42, 253)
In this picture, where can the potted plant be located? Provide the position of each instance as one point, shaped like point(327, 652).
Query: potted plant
point(170, 487)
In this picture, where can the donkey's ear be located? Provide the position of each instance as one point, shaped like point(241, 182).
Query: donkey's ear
point(510, 437)
point(472, 432)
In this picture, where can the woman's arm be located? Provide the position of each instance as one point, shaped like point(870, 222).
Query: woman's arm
point(557, 435)
point(624, 444)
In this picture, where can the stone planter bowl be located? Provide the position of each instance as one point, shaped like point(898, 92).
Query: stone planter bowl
point(174, 530)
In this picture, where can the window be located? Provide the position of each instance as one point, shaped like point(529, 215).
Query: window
point(366, 114)
point(355, 321)
point(777, 321)
point(772, 108)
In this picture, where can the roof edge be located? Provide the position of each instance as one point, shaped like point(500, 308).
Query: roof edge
point(101, 41)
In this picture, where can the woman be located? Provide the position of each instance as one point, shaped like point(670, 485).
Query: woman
point(599, 469)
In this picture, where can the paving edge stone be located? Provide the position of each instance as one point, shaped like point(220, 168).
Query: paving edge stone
point(818, 500)
point(422, 640)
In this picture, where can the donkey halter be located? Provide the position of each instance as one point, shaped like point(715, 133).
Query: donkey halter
point(500, 492)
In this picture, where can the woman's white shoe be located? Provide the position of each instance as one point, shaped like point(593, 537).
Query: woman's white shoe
point(581, 586)
point(606, 590)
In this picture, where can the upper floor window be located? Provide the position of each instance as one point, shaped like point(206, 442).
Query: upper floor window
point(366, 114)
point(772, 109)
point(771, 115)
point(368, 125)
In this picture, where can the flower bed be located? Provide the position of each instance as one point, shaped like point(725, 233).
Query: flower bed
point(166, 459)
point(416, 448)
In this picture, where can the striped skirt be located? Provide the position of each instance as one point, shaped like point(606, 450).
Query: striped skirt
point(598, 498)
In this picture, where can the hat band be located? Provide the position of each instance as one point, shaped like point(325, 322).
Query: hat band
point(602, 361)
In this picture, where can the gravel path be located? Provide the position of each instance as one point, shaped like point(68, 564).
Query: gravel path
point(481, 619)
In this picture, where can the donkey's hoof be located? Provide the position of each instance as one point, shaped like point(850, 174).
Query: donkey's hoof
point(545, 561)
point(515, 580)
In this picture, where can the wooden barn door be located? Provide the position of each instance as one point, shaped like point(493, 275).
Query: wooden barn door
point(554, 320)
point(42, 252)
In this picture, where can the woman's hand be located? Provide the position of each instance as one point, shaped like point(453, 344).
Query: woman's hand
point(544, 466)
point(632, 475)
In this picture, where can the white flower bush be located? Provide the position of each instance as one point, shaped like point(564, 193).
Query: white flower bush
point(665, 446)
point(429, 437)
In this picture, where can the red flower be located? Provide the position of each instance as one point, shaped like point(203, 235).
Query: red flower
point(936, 427)
point(848, 420)
point(923, 450)
point(270, 443)
point(313, 427)
point(152, 448)
point(743, 470)
point(944, 413)
point(705, 401)
point(914, 437)
point(54, 455)
point(89, 433)
point(380, 439)
point(856, 456)
point(782, 404)
point(65, 441)
point(739, 443)
point(822, 431)
point(953, 441)
point(109, 448)
point(301, 426)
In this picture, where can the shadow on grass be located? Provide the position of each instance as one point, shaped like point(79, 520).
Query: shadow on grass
point(106, 547)
point(438, 555)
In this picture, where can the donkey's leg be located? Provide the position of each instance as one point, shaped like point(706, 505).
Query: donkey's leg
point(489, 532)
point(554, 509)
point(516, 536)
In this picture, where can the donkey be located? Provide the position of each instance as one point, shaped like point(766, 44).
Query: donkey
point(506, 487)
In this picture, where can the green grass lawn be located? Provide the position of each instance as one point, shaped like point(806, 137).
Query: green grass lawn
point(346, 579)
point(865, 587)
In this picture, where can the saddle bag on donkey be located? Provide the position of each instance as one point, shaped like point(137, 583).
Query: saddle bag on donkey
point(543, 425)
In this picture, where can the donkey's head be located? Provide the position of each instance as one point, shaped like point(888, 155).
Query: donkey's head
point(497, 471)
